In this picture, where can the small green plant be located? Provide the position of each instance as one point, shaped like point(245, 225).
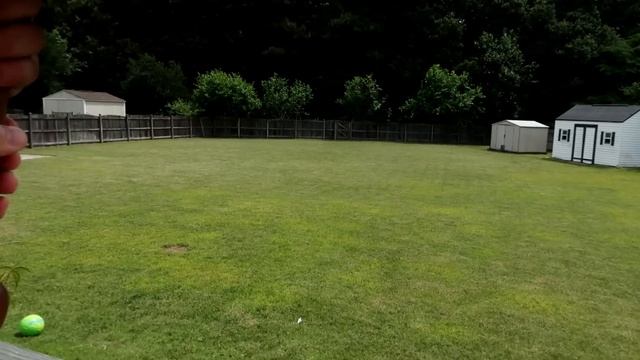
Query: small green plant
point(282, 99)
point(221, 93)
point(362, 97)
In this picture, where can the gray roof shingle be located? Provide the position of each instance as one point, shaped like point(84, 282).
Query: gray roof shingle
point(95, 96)
point(600, 113)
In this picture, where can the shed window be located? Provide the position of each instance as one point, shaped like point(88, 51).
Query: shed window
point(564, 135)
point(608, 138)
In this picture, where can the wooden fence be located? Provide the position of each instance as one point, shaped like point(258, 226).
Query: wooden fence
point(45, 130)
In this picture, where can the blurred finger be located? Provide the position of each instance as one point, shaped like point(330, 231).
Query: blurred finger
point(4, 204)
point(12, 140)
point(11, 10)
point(20, 41)
point(8, 183)
point(10, 162)
point(18, 73)
point(8, 122)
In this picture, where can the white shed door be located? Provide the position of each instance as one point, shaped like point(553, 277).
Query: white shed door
point(501, 131)
point(584, 143)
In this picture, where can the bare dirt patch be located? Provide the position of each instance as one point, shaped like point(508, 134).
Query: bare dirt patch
point(176, 248)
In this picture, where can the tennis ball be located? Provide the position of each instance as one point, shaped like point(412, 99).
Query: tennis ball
point(31, 325)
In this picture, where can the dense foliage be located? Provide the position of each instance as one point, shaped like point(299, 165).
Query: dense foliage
point(282, 99)
point(532, 58)
point(362, 98)
point(221, 93)
point(443, 96)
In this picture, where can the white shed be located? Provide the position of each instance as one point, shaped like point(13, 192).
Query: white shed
point(599, 134)
point(521, 136)
point(83, 103)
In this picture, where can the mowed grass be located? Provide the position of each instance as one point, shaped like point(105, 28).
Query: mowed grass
point(387, 251)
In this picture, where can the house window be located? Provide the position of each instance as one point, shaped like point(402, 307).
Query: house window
point(607, 138)
point(564, 135)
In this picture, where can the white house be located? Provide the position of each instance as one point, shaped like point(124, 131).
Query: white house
point(521, 136)
point(83, 103)
point(599, 134)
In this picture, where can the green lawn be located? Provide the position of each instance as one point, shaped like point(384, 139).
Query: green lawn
point(387, 251)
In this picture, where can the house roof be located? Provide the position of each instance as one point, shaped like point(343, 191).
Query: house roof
point(600, 113)
point(95, 96)
point(524, 123)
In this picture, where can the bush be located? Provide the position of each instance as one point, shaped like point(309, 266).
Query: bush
point(362, 97)
point(183, 108)
point(443, 95)
point(282, 100)
point(220, 93)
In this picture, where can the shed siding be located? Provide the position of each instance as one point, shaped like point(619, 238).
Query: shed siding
point(562, 149)
point(50, 106)
point(533, 140)
point(630, 143)
point(104, 108)
point(605, 154)
point(494, 137)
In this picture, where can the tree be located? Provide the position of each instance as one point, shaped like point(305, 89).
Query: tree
point(632, 93)
point(281, 99)
point(362, 98)
point(57, 62)
point(443, 96)
point(221, 93)
point(503, 73)
point(150, 84)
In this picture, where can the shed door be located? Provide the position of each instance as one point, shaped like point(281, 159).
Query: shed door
point(501, 137)
point(584, 143)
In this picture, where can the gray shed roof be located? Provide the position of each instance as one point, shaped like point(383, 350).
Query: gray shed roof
point(600, 113)
point(95, 96)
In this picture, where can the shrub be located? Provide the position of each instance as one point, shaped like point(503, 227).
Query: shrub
point(362, 97)
point(183, 108)
point(281, 100)
point(218, 92)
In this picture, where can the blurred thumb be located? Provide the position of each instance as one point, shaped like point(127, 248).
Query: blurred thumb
point(12, 140)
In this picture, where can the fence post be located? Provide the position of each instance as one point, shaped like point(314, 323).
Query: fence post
point(101, 128)
point(405, 132)
point(350, 129)
point(335, 130)
point(126, 126)
point(324, 129)
point(173, 135)
point(267, 128)
point(190, 126)
point(151, 125)
point(295, 128)
point(238, 128)
point(30, 129)
point(377, 132)
point(432, 133)
point(68, 129)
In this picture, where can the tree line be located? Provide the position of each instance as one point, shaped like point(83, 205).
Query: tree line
point(469, 61)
